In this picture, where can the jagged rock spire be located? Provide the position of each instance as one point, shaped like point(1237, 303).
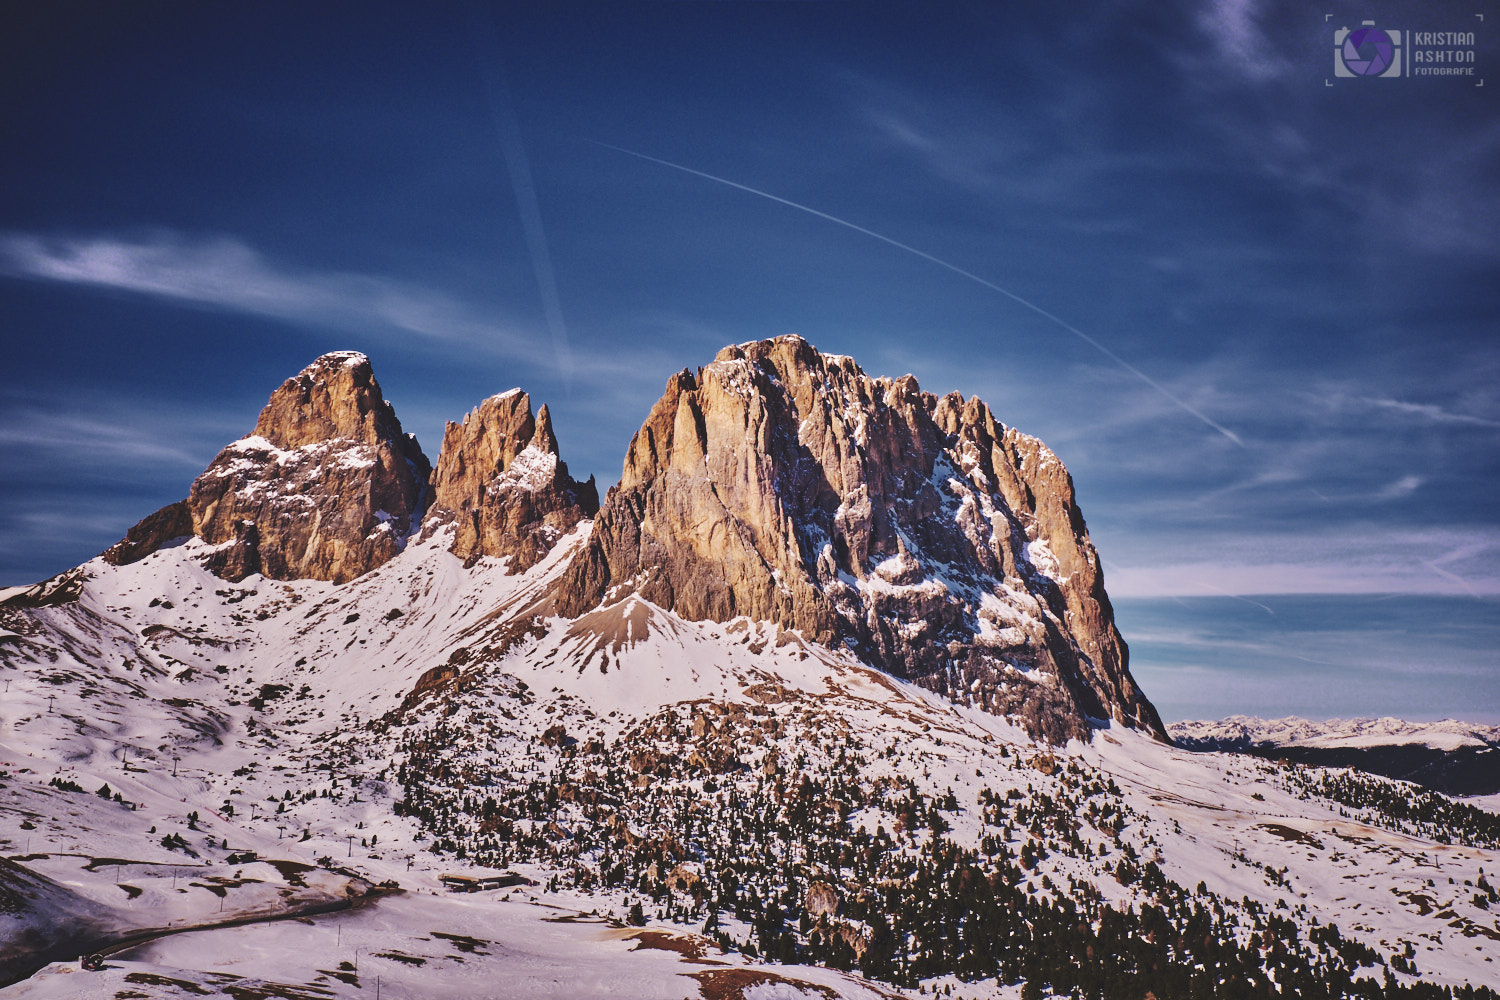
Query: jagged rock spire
point(501, 483)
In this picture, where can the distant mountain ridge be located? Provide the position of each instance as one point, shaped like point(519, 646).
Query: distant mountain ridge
point(1456, 758)
point(1240, 731)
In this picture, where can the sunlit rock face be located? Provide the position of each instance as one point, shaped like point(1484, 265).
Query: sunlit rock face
point(327, 487)
point(787, 485)
point(501, 482)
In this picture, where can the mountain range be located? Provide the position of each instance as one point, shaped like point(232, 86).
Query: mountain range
point(824, 697)
point(1454, 757)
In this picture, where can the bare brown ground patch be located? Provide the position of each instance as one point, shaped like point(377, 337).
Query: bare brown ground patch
point(1292, 836)
point(731, 984)
point(464, 943)
point(152, 979)
point(613, 627)
point(347, 978)
point(1182, 801)
point(291, 871)
point(689, 947)
point(1422, 901)
point(276, 991)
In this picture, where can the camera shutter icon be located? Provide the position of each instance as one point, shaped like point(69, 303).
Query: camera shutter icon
point(1366, 51)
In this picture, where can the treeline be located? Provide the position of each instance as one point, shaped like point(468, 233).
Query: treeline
point(1398, 806)
point(774, 861)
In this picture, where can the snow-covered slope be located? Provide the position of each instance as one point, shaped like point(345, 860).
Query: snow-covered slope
point(669, 798)
point(734, 784)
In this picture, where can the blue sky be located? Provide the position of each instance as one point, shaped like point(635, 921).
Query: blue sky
point(1265, 308)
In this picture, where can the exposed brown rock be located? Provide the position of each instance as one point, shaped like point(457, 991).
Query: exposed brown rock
point(151, 533)
point(821, 899)
point(501, 482)
point(327, 488)
point(936, 543)
point(64, 588)
point(683, 879)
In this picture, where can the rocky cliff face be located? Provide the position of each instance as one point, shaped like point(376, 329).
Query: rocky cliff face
point(777, 483)
point(789, 486)
point(501, 482)
point(327, 487)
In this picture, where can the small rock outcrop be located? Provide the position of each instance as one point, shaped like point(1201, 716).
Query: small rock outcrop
point(787, 485)
point(327, 487)
point(501, 482)
point(152, 532)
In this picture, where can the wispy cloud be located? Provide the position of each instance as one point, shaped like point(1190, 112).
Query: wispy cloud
point(1043, 153)
point(1403, 487)
point(77, 523)
point(225, 273)
point(1234, 28)
point(1425, 411)
point(1176, 400)
point(43, 535)
point(1372, 560)
point(1318, 656)
point(977, 162)
point(1273, 477)
point(88, 440)
point(80, 470)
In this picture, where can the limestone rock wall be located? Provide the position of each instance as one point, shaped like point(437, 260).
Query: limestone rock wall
point(326, 488)
point(789, 486)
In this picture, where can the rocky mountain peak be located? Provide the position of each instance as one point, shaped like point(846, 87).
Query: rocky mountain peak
point(335, 397)
point(327, 486)
point(501, 482)
point(484, 444)
point(787, 485)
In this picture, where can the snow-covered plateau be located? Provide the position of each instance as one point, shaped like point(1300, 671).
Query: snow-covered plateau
point(678, 809)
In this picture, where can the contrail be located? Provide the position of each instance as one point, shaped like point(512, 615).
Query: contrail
point(536, 237)
point(1449, 574)
point(1127, 366)
point(1237, 597)
point(508, 130)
